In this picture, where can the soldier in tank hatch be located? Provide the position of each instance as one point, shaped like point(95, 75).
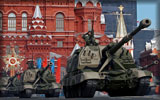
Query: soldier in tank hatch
point(89, 38)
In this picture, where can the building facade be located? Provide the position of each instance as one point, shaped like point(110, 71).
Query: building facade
point(41, 28)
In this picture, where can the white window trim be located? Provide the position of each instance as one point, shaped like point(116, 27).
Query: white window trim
point(59, 44)
point(1, 21)
point(11, 22)
point(59, 22)
point(24, 22)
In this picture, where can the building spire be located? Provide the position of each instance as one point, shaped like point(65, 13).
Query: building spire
point(121, 27)
point(122, 32)
point(37, 26)
point(37, 12)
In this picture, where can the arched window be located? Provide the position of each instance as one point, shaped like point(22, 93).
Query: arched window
point(0, 21)
point(24, 22)
point(12, 22)
point(89, 24)
point(16, 48)
point(59, 22)
point(8, 49)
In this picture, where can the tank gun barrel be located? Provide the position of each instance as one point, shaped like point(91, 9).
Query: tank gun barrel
point(143, 24)
point(50, 64)
point(150, 65)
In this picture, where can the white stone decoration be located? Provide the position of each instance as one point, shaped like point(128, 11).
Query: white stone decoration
point(37, 13)
point(102, 19)
point(84, 2)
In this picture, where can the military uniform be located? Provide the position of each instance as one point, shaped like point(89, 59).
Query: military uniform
point(89, 38)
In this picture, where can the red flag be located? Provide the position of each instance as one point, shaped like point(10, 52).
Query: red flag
point(44, 63)
point(58, 72)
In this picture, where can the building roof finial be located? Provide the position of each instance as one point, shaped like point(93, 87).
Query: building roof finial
point(121, 8)
point(37, 12)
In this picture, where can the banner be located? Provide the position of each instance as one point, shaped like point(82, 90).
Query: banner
point(58, 72)
point(52, 67)
point(39, 63)
point(45, 63)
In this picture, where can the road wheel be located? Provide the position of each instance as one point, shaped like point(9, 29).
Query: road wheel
point(88, 88)
point(27, 93)
point(56, 92)
point(143, 87)
point(53, 93)
point(3, 93)
point(67, 92)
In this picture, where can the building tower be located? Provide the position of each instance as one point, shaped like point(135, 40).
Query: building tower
point(38, 26)
point(39, 43)
point(122, 32)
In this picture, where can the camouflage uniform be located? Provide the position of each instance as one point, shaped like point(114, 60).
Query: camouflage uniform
point(89, 38)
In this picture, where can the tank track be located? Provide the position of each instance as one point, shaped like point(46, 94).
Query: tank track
point(53, 93)
point(85, 89)
point(3, 93)
point(27, 93)
point(142, 89)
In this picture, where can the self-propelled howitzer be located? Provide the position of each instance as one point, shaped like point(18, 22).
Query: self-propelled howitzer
point(108, 68)
point(4, 78)
point(39, 81)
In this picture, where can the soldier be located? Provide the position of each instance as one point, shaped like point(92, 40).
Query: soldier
point(89, 38)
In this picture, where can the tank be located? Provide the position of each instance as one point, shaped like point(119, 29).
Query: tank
point(13, 85)
point(109, 68)
point(3, 83)
point(38, 81)
point(9, 86)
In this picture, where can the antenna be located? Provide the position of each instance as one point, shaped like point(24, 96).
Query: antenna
point(93, 22)
point(92, 31)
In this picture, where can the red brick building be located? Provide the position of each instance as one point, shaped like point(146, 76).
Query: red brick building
point(35, 28)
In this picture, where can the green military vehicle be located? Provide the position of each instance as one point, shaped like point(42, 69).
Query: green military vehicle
point(38, 81)
point(13, 85)
point(10, 86)
point(108, 68)
point(3, 83)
